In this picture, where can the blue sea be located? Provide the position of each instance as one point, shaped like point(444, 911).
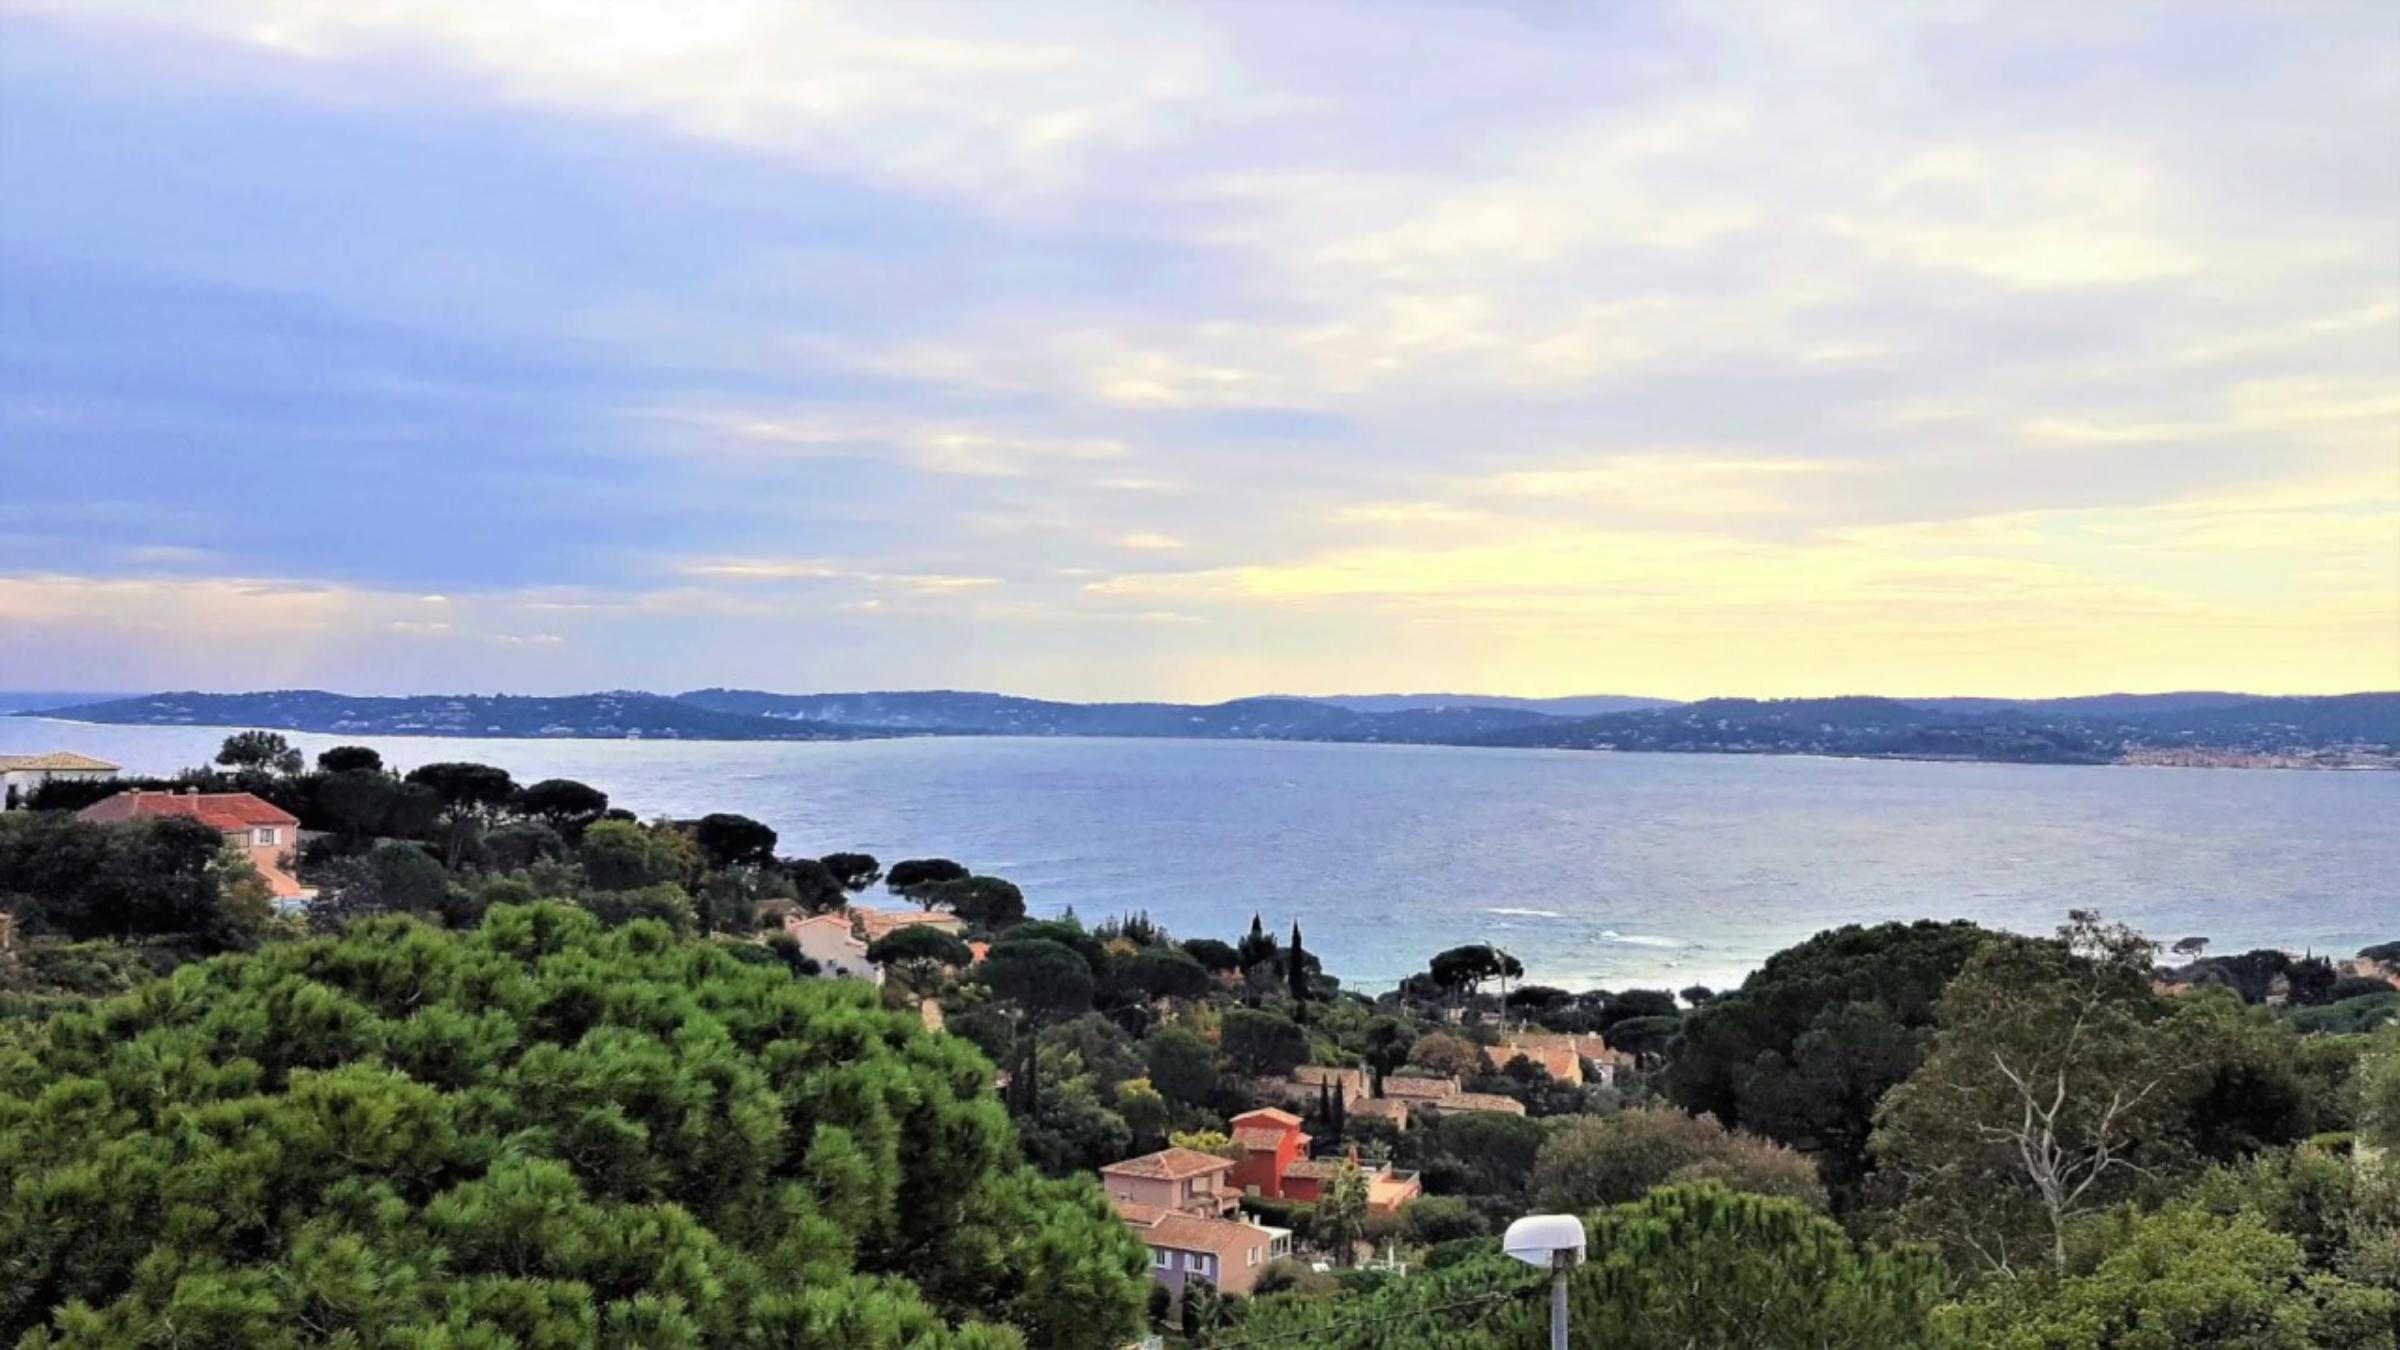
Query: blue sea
point(1595, 870)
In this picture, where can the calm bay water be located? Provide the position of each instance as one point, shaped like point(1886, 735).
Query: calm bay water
point(1593, 869)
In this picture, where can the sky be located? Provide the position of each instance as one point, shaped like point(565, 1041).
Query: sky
point(1148, 350)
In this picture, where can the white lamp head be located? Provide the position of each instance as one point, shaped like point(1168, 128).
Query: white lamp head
point(1545, 1240)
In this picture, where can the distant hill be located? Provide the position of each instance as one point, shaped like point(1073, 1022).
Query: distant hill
point(955, 712)
point(38, 700)
point(2351, 730)
point(2266, 723)
point(1854, 726)
point(1572, 705)
point(2088, 705)
point(607, 716)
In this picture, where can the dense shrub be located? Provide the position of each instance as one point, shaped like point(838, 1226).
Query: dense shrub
point(538, 1132)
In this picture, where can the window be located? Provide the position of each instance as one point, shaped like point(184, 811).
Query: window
point(1254, 1256)
point(264, 834)
point(1162, 1258)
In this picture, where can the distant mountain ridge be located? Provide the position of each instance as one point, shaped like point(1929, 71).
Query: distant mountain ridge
point(2348, 730)
point(1571, 705)
point(615, 715)
point(957, 712)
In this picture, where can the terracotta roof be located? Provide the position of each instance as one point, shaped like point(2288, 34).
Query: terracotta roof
point(1382, 1108)
point(63, 761)
point(1228, 1241)
point(1138, 1214)
point(1481, 1101)
point(1170, 1164)
point(1563, 1062)
point(1260, 1137)
point(1268, 1114)
point(225, 810)
point(1319, 1168)
point(1419, 1089)
point(1590, 1045)
point(876, 923)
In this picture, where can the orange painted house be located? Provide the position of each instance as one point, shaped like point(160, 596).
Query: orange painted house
point(1275, 1163)
point(1270, 1142)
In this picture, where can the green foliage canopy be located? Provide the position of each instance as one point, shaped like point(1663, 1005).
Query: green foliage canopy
point(143, 878)
point(1804, 1050)
point(535, 1132)
point(1684, 1266)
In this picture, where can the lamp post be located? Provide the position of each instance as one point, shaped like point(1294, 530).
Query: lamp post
point(1552, 1242)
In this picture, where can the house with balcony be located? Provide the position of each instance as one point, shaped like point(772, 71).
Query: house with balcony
point(1174, 1180)
point(1183, 1248)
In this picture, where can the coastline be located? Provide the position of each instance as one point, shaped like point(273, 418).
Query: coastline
point(2347, 761)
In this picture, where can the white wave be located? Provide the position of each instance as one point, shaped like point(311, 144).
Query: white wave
point(1526, 913)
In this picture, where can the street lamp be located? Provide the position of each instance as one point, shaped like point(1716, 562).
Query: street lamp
point(1552, 1242)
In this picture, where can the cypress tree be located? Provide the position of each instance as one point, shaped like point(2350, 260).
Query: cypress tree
point(1341, 1110)
point(1299, 970)
point(1256, 947)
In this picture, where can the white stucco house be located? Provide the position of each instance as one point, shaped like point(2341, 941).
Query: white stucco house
point(829, 940)
point(21, 774)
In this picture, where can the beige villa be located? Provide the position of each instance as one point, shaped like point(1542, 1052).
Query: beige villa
point(1181, 1180)
point(838, 941)
point(259, 828)
point(22, 775)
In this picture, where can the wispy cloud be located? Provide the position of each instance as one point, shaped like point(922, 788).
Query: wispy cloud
point(1184, 349)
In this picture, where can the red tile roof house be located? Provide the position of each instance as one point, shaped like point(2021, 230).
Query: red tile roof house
point(1184, 1247)
point(261, 829)
point(1178, 1180)
point(1562, 1056)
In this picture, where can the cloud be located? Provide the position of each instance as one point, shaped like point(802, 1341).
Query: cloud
point(1665, 484)
point(966, 451)
point(1198, 349)
point(768, 570)
point(1151, 541)
point(978, 102)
